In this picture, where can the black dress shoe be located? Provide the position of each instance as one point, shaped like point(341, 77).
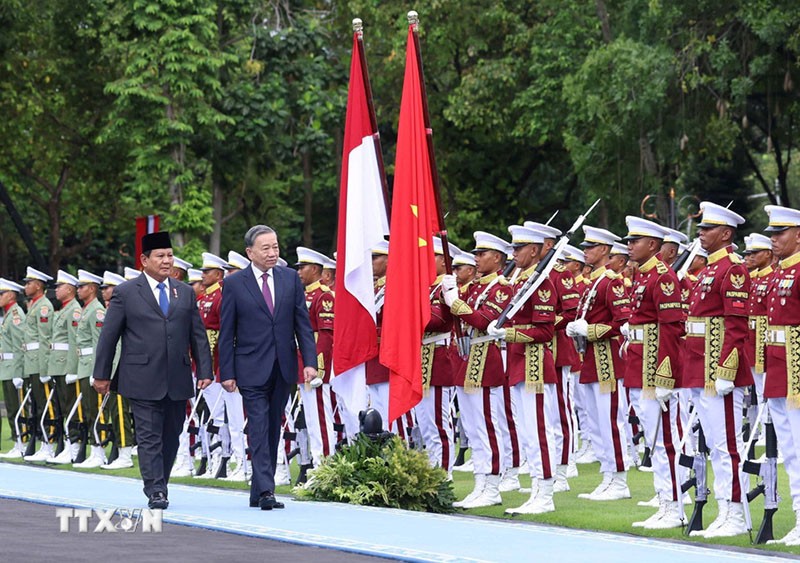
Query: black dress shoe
point(268, 502)
point(158, 500)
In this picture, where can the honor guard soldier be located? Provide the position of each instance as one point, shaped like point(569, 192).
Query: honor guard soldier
point(531, 371)
point(316, 396)
point(329, 273)
point(465, 273)
point(565, 357)
point(92, 318)
point(180, 268)
point(63, 362)
point(464, 268)
point(131, 273)
point(481, 377)
point(236, 262)
point(118, 410)
point(38, 333)
point(758, 250)
point(433, 411)
point(195, 279)
point(653, 362)
point(674, 245)
point(715, 369)
point(618, 259)
point(603, 309)
point(12, 368)
point(782, 382)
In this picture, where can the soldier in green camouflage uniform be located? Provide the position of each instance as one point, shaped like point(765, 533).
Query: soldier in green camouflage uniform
point(38, 332)
point(11, 360)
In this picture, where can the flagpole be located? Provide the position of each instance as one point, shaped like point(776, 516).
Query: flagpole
point(413, 21)
point(358, 30)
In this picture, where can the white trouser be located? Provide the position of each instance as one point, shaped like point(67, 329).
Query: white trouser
point(607, 428)
point(436, 426)
point(485, 414)
point(234, 410)
point(215, 402)
point(787, 428)
point(511, 440)
point(352, 426)
point(663, 443)
point(535, 433)
point(285, 446)
point(378, 394)
point(582, 396)
point(721, 419)
point(759, 380)
point(319, 421)
point(561, 418)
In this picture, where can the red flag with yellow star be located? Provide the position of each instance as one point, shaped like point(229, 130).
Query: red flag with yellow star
point(411, 269)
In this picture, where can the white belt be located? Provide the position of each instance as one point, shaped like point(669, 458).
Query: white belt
point(86, 351)
point(696, 328)
point(7, 356)
point(776, 336)
point(31, 346)
point(752, 323)
point(443, 337)
point(62, 346)
point(636, 334)
point(482, 339)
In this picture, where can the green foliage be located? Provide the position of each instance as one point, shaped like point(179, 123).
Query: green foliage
point(378, 473)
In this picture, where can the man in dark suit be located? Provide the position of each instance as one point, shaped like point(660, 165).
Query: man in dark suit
point(159, 324)
point(263, 311)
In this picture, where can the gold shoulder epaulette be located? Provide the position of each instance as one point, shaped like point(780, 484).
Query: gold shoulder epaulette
point(559, 267)
point(734, 258)
point(612, 275)
point(662, 268)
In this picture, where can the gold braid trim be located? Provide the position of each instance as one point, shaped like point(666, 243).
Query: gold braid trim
point(729, 367)
point(715, 332)
point(664, 375)
point(761, 334)
point(320, 365)
point(460, 307)
point(596, 332)
point(476, 362)
point(514, 334)
point(534, 368)
point(793, 367)
point(213, 338)
point(427, 366)
point(649, 360)
point(604, 362)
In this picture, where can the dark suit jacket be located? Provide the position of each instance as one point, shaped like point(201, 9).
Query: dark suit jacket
point(154, 360)
point(251, 339)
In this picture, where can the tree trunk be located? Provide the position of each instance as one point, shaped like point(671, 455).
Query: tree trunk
point(216, 232)
point(605, 24)
point(308, 199)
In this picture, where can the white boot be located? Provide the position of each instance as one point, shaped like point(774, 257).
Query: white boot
point(66, 456)
point(655, 517)
point(95, 459)
point(123, 460)
point(600, 488)
point(616, 488)
point(213, 465)
point(722, 515)
point(534, 491)
point(44, 453)
point(466, 467)
point(480, 483)
point(183, 466)
point(793, 537)
point(282, 475)
point(542, 501)
point(13, 453)
point(510, 480)
point(733, 525)
point(585, 454)
point(652, 503)
point(561, 484)
point(490, 495)
point(672, 517)
point(237, 473)
point(572, 468)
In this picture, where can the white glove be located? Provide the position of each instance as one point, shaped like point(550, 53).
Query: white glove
point(316, 382)
point(578, 328)
point(17, 381)
point(71, 378)
point(663, 396)
point(723, 387)
point(45, 378)
point(449, 282)
point(492, 330)
point(625, 330)
point(91, 381)
point(450, 297)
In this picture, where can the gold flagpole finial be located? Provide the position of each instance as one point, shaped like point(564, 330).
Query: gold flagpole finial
point(358, 25)
point(413, 18)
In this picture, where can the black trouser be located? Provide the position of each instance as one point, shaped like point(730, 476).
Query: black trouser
point(12, 397)
point(264, 406)
point(158, 428)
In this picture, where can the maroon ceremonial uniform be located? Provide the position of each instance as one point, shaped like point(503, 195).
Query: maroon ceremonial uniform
point(757, 320)
point(441, 372)
point(783, 318)
point(319, 300)
point(375, 371)
point(209, 305)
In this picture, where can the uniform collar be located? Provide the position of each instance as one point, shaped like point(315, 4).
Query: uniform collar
point(765, 272)
point(438, 279)
point(718, 255)
point(601, 271)
point(8, 307)
point(211, 289)
point(488, 278)
point(649, 265)
point(792, 260)
point(92, 300)
point(36, 299)
point(579, 278)
point(312, 286)
point(67, 302)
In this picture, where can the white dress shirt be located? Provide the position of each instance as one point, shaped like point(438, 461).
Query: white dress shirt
point(260, 282)
point(157, 292)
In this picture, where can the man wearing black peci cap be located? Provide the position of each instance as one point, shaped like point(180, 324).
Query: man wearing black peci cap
point(159, 324)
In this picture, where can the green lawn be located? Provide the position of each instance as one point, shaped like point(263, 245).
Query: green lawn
point(570, 511)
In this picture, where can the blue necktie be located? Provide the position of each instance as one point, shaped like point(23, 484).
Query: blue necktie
point(162, 297)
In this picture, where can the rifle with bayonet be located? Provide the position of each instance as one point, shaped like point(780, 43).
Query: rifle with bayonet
point(541, 272)
point(768, 471)
point(684, 261)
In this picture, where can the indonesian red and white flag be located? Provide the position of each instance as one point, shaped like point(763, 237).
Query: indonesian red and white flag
point(144, 226)
point(411, 269)
point(363, 224)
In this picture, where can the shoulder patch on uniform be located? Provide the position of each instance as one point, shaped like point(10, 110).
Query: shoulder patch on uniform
point(619, 290)
point(568, 283)
point(544, 295)
point(662, 268)
point(44, 311)
point(76, 314)
point(737, 280)
point(667, 288)
point(500, 296)
point(101, 315)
